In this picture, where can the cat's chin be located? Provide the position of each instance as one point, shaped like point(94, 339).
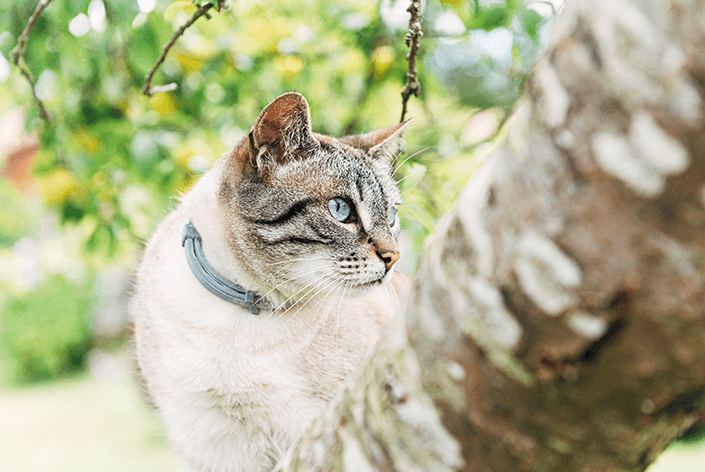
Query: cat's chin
point(364, 288)
point(360, 289)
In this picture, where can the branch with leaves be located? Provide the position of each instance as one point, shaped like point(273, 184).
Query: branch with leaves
point(413, 41)
point(18, 52)
point(202, 10)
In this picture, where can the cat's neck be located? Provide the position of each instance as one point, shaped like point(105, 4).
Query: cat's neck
point(203, 210)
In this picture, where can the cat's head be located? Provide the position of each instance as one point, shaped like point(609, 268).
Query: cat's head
point(310, 214)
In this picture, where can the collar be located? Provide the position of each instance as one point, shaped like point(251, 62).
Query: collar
point(212, 280)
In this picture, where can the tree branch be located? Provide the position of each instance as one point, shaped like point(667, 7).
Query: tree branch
point(17, 54)
point(556, 322)
point(413, 41)
point(202, 11)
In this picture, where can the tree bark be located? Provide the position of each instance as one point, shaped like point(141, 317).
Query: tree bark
point(556, 323)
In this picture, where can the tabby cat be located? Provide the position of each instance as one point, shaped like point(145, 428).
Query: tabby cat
point(266, 287)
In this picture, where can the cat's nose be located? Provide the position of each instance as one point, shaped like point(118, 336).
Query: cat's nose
point(385, 247)
point(389, 258)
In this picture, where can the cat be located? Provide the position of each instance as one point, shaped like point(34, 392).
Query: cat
point(267, 286)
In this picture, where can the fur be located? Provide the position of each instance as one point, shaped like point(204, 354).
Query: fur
point(237, 390)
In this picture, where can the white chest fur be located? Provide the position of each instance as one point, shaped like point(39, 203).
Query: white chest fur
point(236, 390)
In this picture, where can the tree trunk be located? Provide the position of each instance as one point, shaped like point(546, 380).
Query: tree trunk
point(556, 323)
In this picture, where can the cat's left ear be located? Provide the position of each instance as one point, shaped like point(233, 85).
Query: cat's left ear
point(385, 144)
point(283, 128)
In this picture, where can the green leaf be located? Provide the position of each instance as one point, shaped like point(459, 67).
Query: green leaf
point(177, 7)
point(16, 23)
point(144, 48)
point(494, 17)
point(530, 21)
point(112, 241)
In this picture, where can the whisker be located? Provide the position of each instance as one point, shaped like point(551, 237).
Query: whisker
point(320, 306)
point(393, 292)
point(347, 311)
point(330, 307)
point(332, 284)
point(265, 295)
point(313, 282)
point(414, 154)
point(337, 317)
point(297, 274)
point(394, 299)
point(410, 175)
point(303, 259)
point(388, 298)
point(318, 287)
point(305, 303)
point(397, 301)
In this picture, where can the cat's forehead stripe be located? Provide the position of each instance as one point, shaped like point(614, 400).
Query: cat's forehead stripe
point(369, 187)
point(360, 190)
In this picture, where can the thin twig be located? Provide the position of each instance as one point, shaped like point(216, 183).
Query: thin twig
point(17, 54)
point(202, 10)
point(413, 41)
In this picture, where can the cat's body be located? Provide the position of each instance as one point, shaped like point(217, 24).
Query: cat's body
point(236, 389)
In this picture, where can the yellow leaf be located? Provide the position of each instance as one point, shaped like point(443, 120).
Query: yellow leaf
point(88, 140)
point(262, 35)
point(382, 61)
point(177, 7)
point(288, 66)
point(349, 62)
point(189, 62)
point(163, 103)
point(57, 186)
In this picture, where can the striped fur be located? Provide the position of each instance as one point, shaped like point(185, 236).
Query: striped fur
point(236, 390)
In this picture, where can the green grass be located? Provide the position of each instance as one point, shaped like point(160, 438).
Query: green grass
point(81, 424)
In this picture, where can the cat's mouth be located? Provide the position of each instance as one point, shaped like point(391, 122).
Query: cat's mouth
point(363, 288)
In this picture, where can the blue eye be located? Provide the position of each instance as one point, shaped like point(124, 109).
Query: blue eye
point(339, 208)
point(392, 216)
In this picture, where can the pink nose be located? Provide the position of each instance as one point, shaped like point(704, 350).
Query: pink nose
point(389, 258)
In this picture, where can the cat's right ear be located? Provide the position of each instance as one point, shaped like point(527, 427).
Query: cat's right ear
point(282, 132)
point(385, 144)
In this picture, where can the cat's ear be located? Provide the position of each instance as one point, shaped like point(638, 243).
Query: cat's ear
point(386, 143)
point(282, 129)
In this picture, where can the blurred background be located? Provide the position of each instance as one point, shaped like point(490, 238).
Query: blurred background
point(80, 194)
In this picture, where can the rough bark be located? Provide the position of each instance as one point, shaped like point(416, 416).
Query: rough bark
point(556, 323)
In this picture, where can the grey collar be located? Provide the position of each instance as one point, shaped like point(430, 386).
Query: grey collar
point(212, 280)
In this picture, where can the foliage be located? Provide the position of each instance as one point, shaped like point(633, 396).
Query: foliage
point(46, 332)
point(488, 48)
point(113, 158)
point(111, 161)
point(16, 215)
